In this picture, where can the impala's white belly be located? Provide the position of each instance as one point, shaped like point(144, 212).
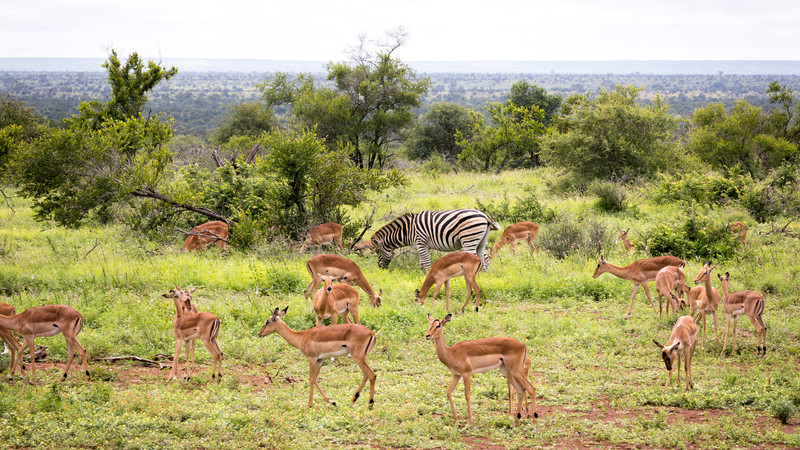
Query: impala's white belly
point(341, 352)
point(487, 368)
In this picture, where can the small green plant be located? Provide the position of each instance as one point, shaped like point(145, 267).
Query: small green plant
point(51, 400)
point(783, 410)
point(611, 197)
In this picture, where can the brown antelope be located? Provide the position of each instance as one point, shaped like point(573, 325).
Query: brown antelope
point(482, 355)
point(670, 280)
point(205, 235)
point(46, 321)
point(740, 230)
point(450, 266)
point(749, 303)
point(330, 300)
point(321, 343)
point(327, 233)
point(623, 237)
point(704, 299)
point(7, 336)
point(682, 341)
point(638, 272)
point(189, 325)
point(341, 268)
point(520, 231)
point(364, 248)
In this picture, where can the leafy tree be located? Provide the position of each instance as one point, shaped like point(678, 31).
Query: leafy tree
point(244, 119)
point(785, 118)
point(528, 95)
point(369, 103)
point(435, 132)
point(18, 124)
point(613, 137)
point(102, 156)
point(512, 139)
point(741, 138)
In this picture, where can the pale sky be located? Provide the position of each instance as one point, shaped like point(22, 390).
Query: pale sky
point(438, 30)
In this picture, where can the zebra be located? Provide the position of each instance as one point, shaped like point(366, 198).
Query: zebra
point(447, 231)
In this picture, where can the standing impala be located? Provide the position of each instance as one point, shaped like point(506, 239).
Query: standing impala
point(321, 343)
point(46, 321)
point(623, 237)
point(638, 272)
point(450, 266)
point(189, 325)
point(704, 299)
point(739, 230)
point(749, 303)
point(482, 355)
point(328, 233)
point(342, 268)
point(330, 300)
point(670, 280)
point(682, 341)
point(520, 231)
point(7, 336)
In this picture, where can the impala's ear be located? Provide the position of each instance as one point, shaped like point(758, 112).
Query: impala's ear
point(727, 276)
point(168, 295)
point(177, 288)
point(283, 313)
point(380, 292)
point(430, 318)
point(676, 347)
point(658, 345)
point(275, 313)
point(447, 318)
point(191, 291)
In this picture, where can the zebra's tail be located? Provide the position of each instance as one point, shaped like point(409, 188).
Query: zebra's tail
point(494, 225)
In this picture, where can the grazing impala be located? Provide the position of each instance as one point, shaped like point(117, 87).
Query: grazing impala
point(749, 303)
point(328, 233)
point(7, 336)
point(450, 266)
point(682, 341)
point(46, 321)
point(482, 355)
point(520, 231)
point(638, 272)
point(189, 325)
point(670, 280)
point(321, 343)
point(341, 268)
point(704, 299)
point(364, 248)
point(740, 230)
point(330, 300)
point(205, 235)
point(623, 237)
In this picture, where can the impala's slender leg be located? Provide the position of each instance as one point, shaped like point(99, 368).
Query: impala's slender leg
point(450, 389)
point(314, 366)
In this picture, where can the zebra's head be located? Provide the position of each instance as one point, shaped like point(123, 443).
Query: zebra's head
point(385, 255)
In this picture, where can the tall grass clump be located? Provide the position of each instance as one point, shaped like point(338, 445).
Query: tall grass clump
point(568, 235)
point(611, 197)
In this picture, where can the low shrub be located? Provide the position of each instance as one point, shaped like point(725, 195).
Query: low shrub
point(699, 236)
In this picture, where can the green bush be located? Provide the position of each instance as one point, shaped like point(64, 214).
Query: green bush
point(526, 208)
point(611, 196)
point(705, 189)
point(700, 236)
point(782, 410)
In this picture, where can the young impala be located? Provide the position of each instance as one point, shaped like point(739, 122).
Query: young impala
point(320, 343)
point(682, 341)
point(669, 281)
point(449, 266)
point(520, 231)
point(638, 272)
point(7, 336)
point(739, 303)
point(326, 234)
point(189, 325)
point(341, 268)
point(205, 235)
point(623, 237)
point(704, 299)
point(482, 355)
point(330, 300)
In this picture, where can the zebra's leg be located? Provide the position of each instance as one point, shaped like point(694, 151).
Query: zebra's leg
point(424, 255)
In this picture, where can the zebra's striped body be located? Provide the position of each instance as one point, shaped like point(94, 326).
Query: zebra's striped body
point(447, 231)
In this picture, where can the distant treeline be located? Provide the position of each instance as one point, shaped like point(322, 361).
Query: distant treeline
point(199, 100)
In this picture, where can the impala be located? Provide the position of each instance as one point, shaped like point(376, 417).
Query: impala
point(189, 325)
point(325, 234)
point(320, 343)
point(682, 341)
point(670, 280)
point(330, 300)
point(7, 336)
point(364, 248)
point(341, 268)
point(638, 272)
point(704, 299)
point(520, 231)
point(623, 237)
point(46, 321)
point(740, 230)
point(482, 355)
point(450, 266)
point(205, 235)
point(749, 303)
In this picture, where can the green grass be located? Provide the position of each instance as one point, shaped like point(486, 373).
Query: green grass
point(598, 376)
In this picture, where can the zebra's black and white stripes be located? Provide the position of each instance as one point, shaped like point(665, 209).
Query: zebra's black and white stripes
point(447, 231)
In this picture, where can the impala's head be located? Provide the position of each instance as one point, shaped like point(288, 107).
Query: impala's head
point(705, 273)
point(435, 327)
point(269, 325)
point(623, 234)
point(725, 280)
point(376, 299)
point(669, 353)
point(182, 299)
point(600, 269)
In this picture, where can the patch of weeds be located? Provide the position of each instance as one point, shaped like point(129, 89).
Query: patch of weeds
point(51, 401)
point(99, 373)
point(782, 410)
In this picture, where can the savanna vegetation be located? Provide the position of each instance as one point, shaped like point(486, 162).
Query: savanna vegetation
point(93, 209)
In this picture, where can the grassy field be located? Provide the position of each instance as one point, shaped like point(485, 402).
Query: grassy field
point(598, 376)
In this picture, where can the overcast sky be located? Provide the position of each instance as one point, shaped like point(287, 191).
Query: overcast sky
point(438, 30)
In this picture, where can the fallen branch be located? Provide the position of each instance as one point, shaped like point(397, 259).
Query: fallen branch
point(134, 358)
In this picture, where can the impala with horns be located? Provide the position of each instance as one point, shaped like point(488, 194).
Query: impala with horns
point(11, 343)
point(340, 268)
point(325, 234)
point(46, 321)
point(321, 343)
point(450, 266)
point(669, 281)
point(520, 231)
point(682, 341)
point(330, 300)
point(188, 325)
point(704, 299)
point(205, 235)
point(743, 303)
point(638, 272)
point(483, 355)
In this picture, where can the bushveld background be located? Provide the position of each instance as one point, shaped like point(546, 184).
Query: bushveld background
point(598, 376)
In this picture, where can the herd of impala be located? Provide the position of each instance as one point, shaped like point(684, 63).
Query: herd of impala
point(332, 294)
